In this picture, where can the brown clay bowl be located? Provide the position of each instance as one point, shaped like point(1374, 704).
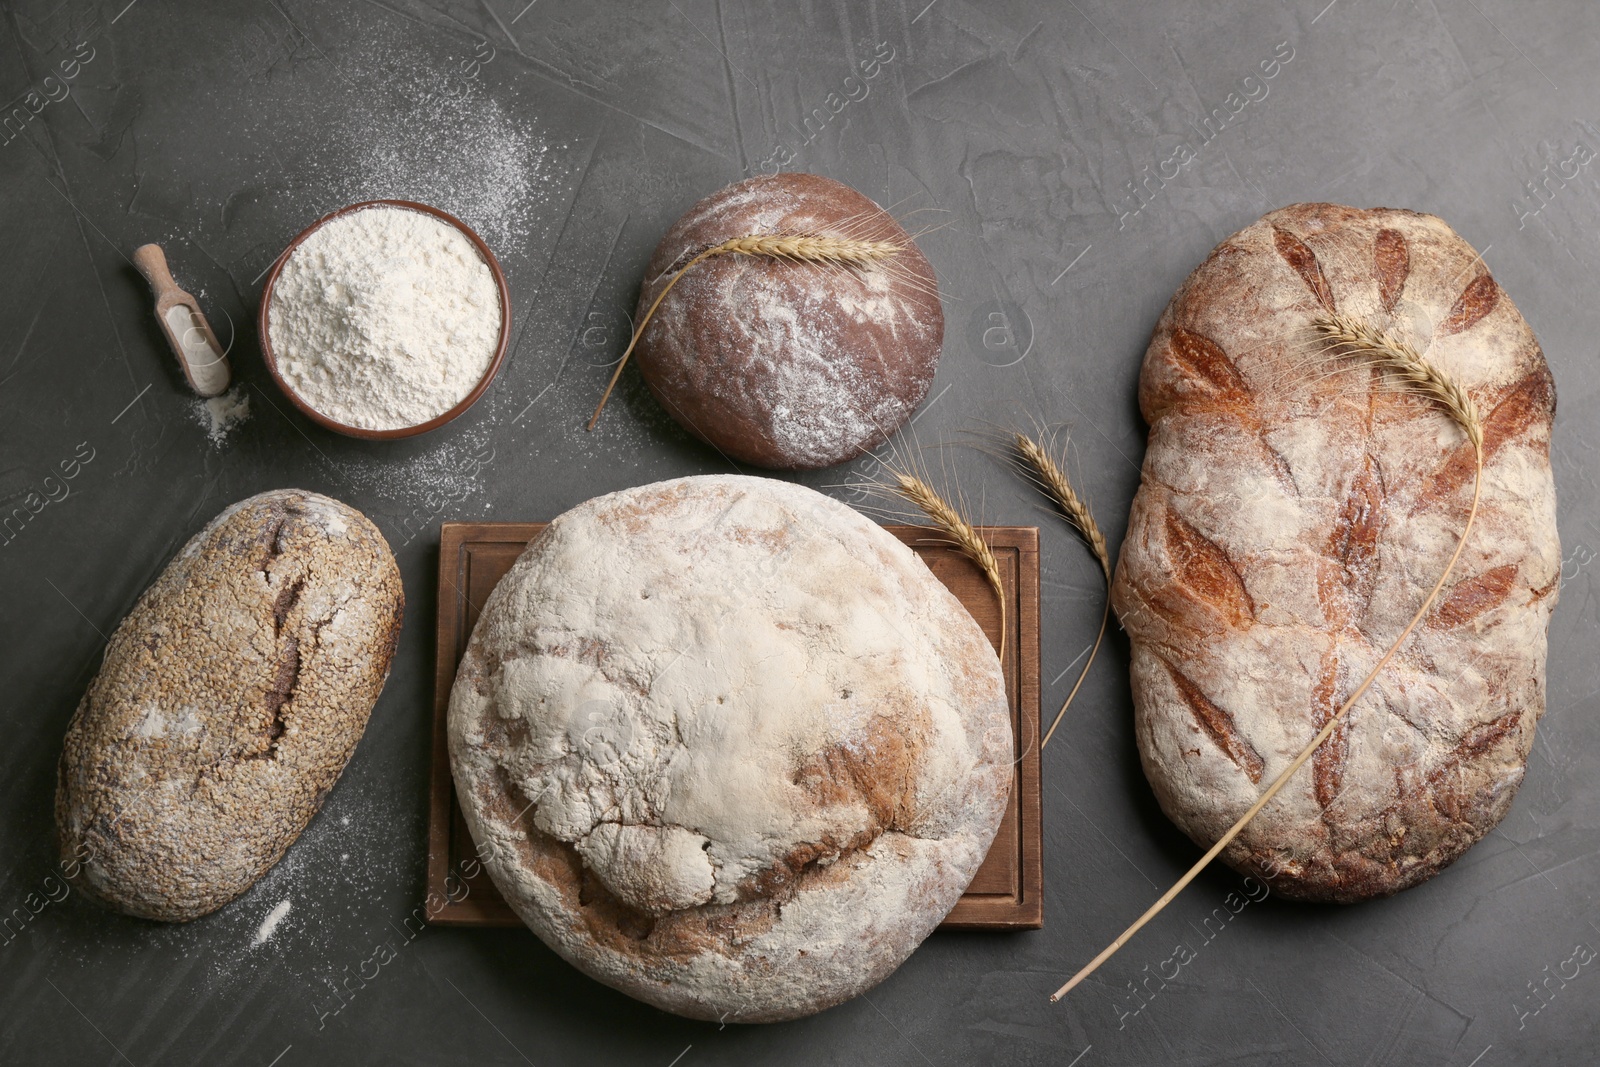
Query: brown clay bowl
point(404, 431)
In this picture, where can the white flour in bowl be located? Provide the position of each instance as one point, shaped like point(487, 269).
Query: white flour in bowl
point(384, 318)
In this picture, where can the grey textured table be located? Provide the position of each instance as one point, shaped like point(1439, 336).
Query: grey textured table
point(1039, 143)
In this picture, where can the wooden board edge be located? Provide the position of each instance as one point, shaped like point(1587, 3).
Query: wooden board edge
point(441, 789)
point(495, 914)
point(1030, 909)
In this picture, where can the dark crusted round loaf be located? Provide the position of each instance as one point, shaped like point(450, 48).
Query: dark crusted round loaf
point(1288, 525)
point(229, 701)
point(788, 364)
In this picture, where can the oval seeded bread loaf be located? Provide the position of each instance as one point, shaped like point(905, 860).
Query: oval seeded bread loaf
point(730, 747)
point(229, 701)
point(1289, 524)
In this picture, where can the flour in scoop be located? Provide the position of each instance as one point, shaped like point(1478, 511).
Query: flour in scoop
point(384, 318)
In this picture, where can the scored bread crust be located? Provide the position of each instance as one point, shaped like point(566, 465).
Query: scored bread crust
point(1289, 523)
point(728, 746)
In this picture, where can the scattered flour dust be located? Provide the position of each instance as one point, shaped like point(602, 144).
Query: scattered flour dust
point(401, 122)
point(312, 912)
point(269, 925)
point(472, 158)
point(434, 482)
point(219, 416)
point(384, 318)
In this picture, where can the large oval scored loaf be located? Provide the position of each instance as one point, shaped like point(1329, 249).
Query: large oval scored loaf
point(230, 699)
point(1289, 523)
point(729, 746)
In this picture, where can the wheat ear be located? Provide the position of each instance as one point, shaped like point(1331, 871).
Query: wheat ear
point(1052, 480)
point(959, 530)
point(791, 247)
point(1402, 367)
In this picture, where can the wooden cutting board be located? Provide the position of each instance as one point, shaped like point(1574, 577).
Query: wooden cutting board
point(1006, 893)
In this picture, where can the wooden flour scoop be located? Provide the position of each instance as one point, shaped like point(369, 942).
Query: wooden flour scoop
point(204, 363)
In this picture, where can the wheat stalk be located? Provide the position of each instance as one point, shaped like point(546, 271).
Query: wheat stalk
point(809, 248)
point(790, 247)
point(1052, 480)
point(1402, 367)
point(948, 519)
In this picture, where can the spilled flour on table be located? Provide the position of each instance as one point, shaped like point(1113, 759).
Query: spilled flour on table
point(402, 122)
point(487, 172)
point(219, 416)
point(349, 874)
point(423, 490)
point(269, 925)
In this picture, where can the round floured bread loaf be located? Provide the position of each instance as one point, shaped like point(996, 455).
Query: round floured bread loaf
point(728, 746)
point(1289, 524)
point(783, 363)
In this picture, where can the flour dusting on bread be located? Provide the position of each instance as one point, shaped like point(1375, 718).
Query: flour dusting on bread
point(731, 746)
point(1288, 525)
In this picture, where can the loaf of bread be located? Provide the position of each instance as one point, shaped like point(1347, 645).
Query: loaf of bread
point(228, 703)
point(729, 746)
point(1289, 523)
point(784, 363)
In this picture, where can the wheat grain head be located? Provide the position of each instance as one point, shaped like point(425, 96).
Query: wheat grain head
point(954, 525)
point(827, 251)
point(1400, 366)
point(1049, 475)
